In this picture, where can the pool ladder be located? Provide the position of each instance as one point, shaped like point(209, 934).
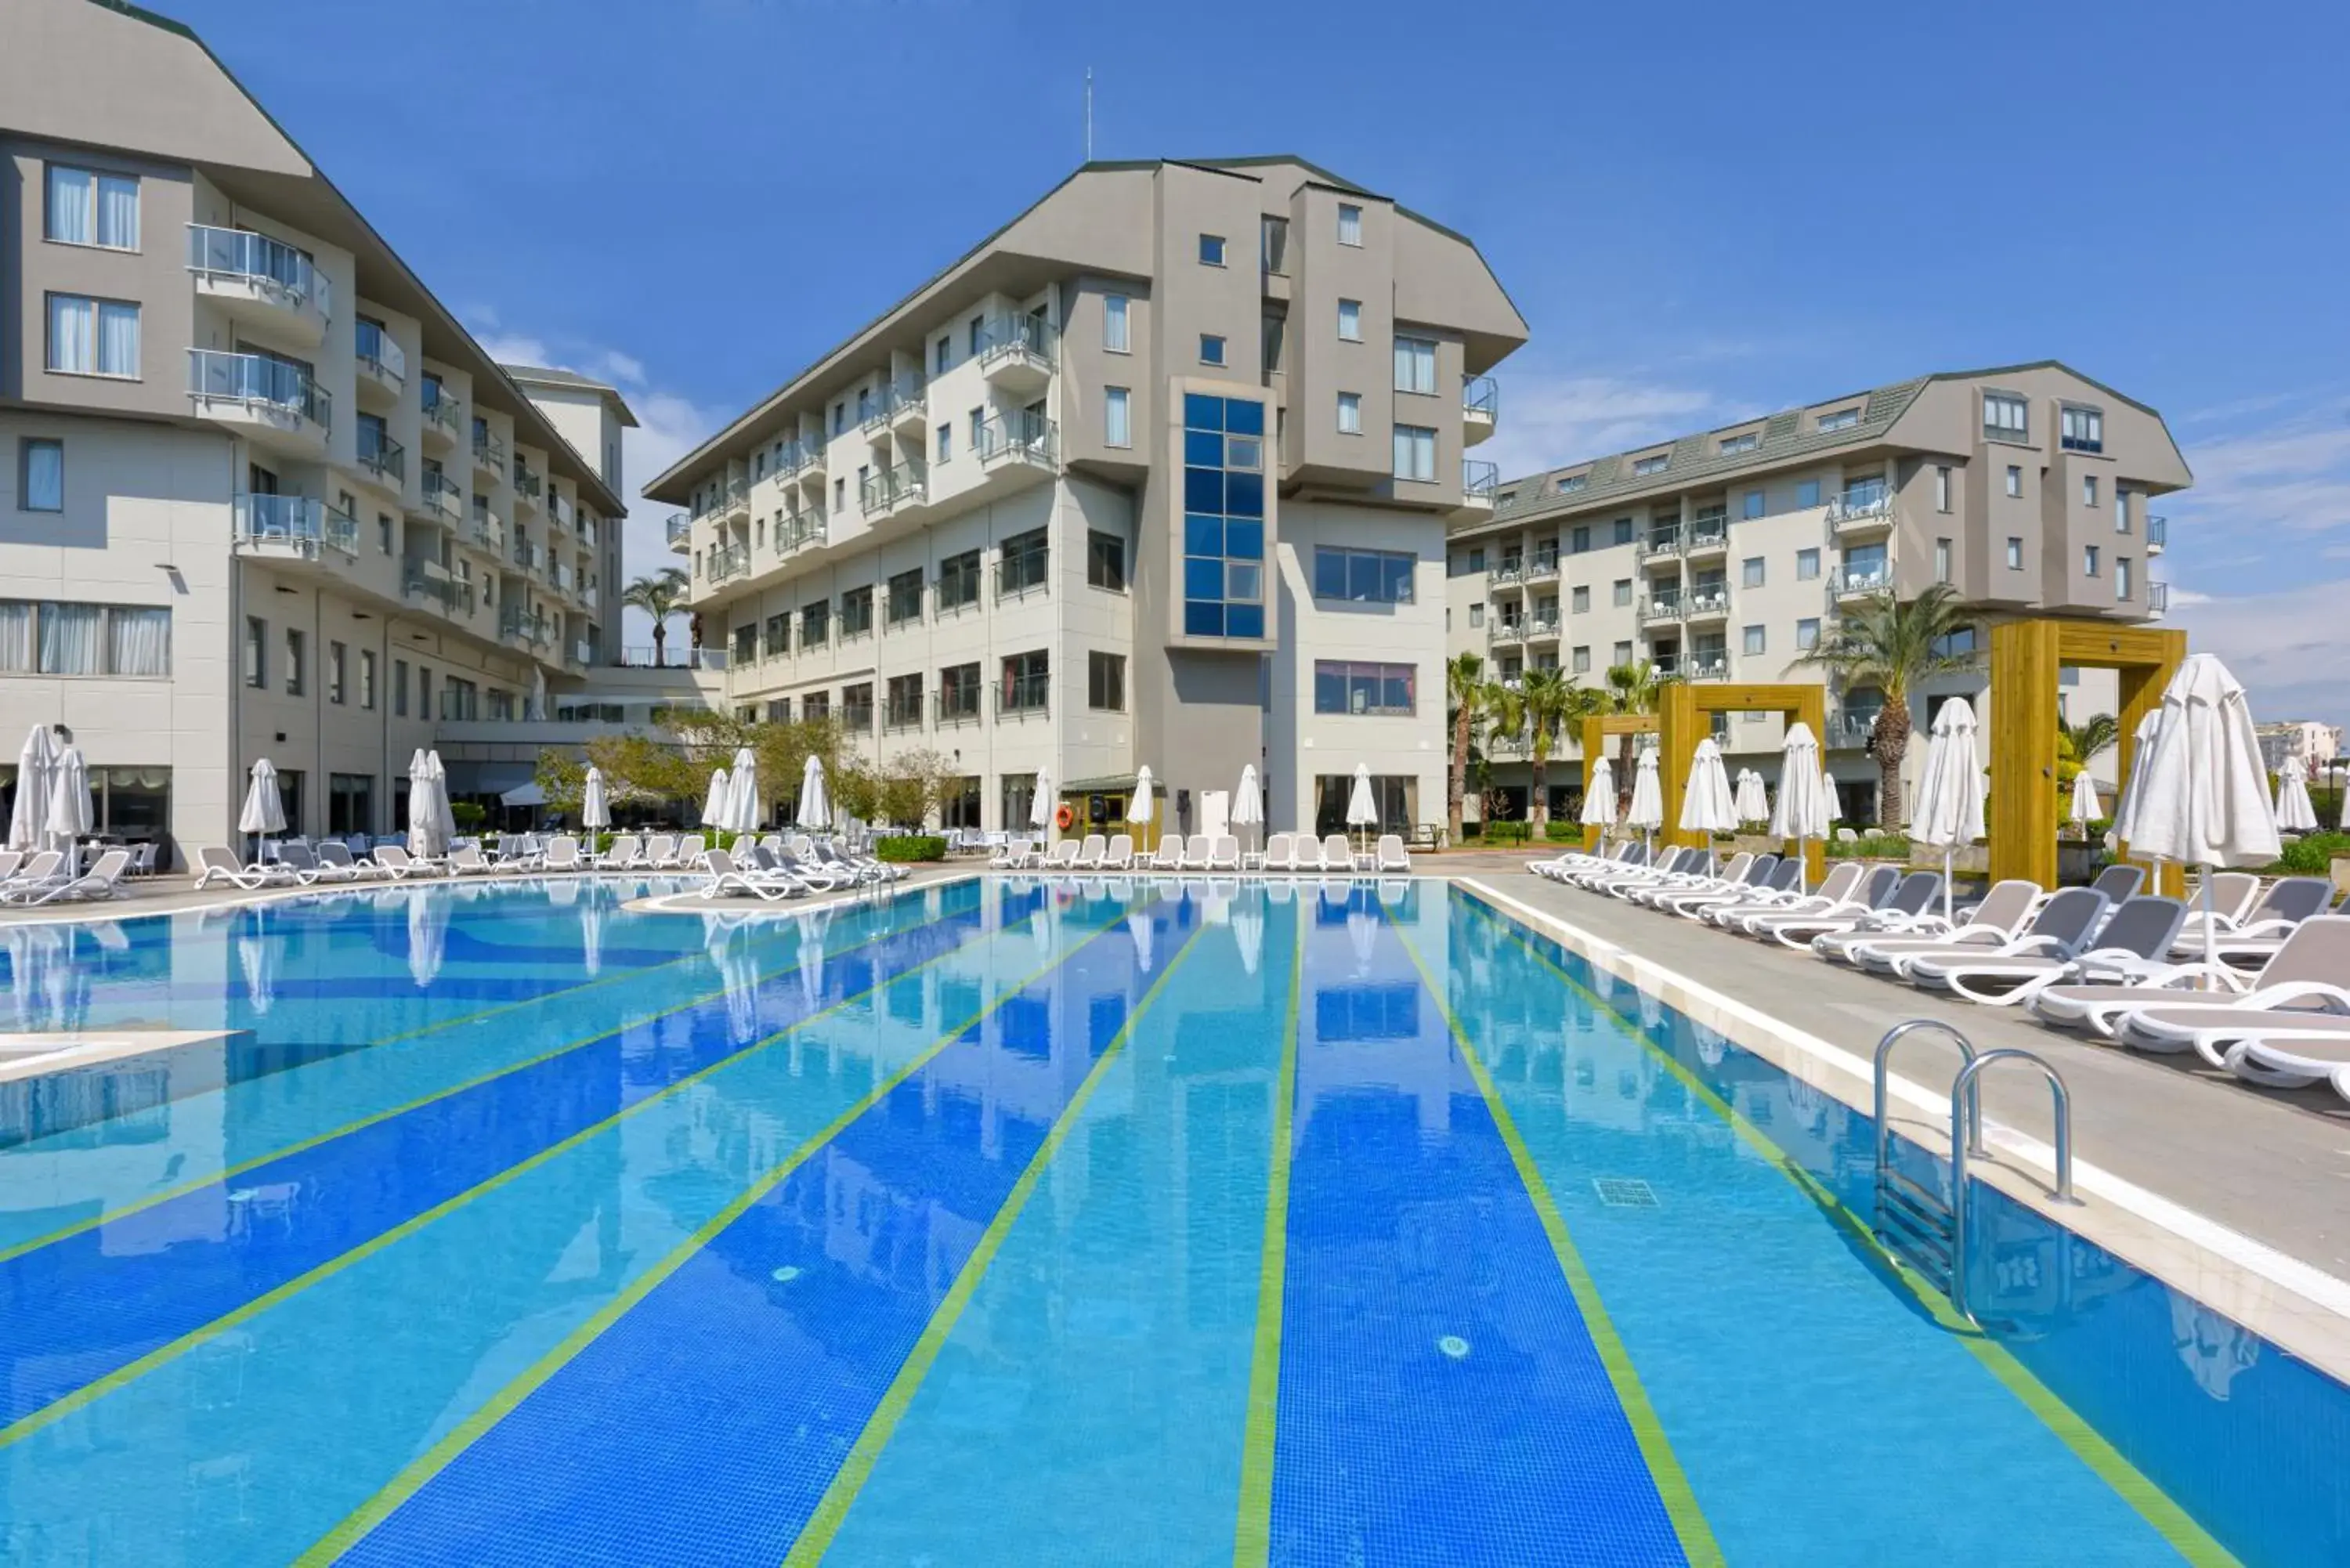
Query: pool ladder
point(1917, 1224)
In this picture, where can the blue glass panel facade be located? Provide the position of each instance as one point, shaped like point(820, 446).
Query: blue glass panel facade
point(1223, 520)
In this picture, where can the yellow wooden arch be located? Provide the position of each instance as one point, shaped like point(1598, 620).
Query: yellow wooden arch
point(1686, 718)
point(1597, 729)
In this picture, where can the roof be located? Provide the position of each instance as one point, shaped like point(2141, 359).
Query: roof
point(544, 376)
point(1697, 457)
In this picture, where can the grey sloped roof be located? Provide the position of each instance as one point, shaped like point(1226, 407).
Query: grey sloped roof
point(1697, 458)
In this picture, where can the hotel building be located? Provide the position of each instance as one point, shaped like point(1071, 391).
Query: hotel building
point(1159, 474)
point(1726, 555)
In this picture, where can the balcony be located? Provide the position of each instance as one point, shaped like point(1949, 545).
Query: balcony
point(1859, 582)
point(1657, 542)
point(1542, 629)
point(1660, 606)
point(582, 654)
point(381, 459)
point(2157, 597)
point(487, 533)
point(893, 490)
point(1511, 573)
point(1017, 576)
point(1711, 602)
point(958, 706)
point(1018, 438)
point(672, 658)
point(903, 401)
point(444, 418)
point(261, 281)
point(566, 580)
point(1481, 403)
point(585, 526)
point(1479, 480)
point(1705, 536)
point(382, 366)
point(292, 527)
point(271, 403)
point(1023, 698)
point(489, 453)
point(798, 531)
point(2157, 535)
point(1861, 511)
point(523, 628)
point(1849, 730)
point(560, 511)
point(725, 499)
point(1507, 633)
point(1544, 568)
point(1707, 667)
point(723, 564)
point(589, 595)
point(1016, 353)
point(529, 486)
point(679, 530)
point(898, 713)
point(429, 582)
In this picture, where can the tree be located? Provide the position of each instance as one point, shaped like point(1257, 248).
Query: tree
point(2091, 738)
point(661, 596)
point(1632, 690)
point(1893, 644)
point(1466, 696)
point(1549, 701)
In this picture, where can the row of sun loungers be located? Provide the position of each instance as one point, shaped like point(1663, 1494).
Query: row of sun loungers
point(2260, 988)
point(1288, 853)
point(820, 864)
point(44, 876)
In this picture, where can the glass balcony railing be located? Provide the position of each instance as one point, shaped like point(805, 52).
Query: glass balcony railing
point(679, 529)
point(797, 454)
point(1481, 398)
point(583, 652)
point(903, 396)
point(722, 498)
point(378, 352)
point(1846, 581)
point(2157, 597)
point(441, 411)
point(487, 533)
point(1707, 667)
point(1710, 599)
point(488, 449)
point(1854, 508)
point(526, 480)
point(797, 530)
point(217, 375)
point(904, 485)
point(2157, 533)
point(1658, 541)
point(294, 521)
point(1016, 338)
point(1479, 478)
point(1850, 728)
point(441, 494)
point(272, 265)
point(1705, 534)
point(1025, 436)
point(733, 561)
point(1662, 607)
point(381, 455)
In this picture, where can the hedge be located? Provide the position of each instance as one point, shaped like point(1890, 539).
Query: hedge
point(2311, 856)
point(910, 846)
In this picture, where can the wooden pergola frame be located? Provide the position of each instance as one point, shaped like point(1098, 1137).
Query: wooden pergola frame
point(2025, 658)
point(1687, 709)
point(1597, 729)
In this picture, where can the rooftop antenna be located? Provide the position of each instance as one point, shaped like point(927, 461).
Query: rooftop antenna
point(1089, 114)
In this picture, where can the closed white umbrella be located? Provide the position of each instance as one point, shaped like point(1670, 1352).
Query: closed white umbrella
point(1753, 800)
point(2133, 782)
point(595, 810)
point(1600, 796)
point(1362, 805)
point(716, 804)
point(1950, 790)
point(2205, 802)
point(536, 708)
point(27, 816)
point(1707, 803)
point(1646, 811)
point(265, 807)
point(815, 814)
point(1040, 803)
point(444, 816)
point(1248, 806)
point(1800, 812)
point(2085, 802)
point(1143, 805)
point(2294, 811)
point(69, 809)
point(744, 806)
point(1827, 794)
point(423, 821)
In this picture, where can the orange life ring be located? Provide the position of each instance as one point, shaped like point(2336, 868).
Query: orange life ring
point(1065, 817)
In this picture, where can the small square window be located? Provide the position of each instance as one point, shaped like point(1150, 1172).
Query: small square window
point(40, 474)
point(1752, 640)
point(1350, 413)
point(1807, 564)
point(1579, 599)
point(1350, 320)
point(1750, 572)
point(1350, 225)
point(1807, 633)
point(1211, 250)
point(1619, 592)
point(1212, 349)
point(1807, 494)
point(1753, 504)
point(1579, 540)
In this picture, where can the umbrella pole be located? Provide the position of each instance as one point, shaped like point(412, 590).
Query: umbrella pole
point(2210, 937)
point(1950, 856)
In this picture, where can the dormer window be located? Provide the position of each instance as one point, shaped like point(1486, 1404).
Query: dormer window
point(1841, 420)
point(1746, 440)
point(1655, 463)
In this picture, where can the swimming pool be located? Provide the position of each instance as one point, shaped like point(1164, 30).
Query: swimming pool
point(1008, 1222)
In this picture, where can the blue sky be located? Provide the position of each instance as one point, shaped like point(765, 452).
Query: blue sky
point(1702, 212)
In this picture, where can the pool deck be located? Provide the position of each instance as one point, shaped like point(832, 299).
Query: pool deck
point(2232, 1192)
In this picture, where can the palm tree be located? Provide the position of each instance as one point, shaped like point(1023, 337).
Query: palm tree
point(2097, 734)
point(1631, 688)
point(1892, 645)
point(660, 595)
point(1547, 700)
point(1465, 695)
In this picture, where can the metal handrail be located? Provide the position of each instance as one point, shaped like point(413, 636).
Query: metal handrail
point(372, 345)
point(1966, 1137)
point(257, 379)
point(1030, 335)
point(1478, 479)
point(378, 452)
point(1480, 396)
point(1017, 434)
point(214, 252)
point(1892, 1037)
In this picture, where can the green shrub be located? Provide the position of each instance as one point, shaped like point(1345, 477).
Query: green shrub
point(1870, 847)
point(1505, 833)
point(468, 815)
point(910, 846)
point(2310, 856)
point(1562, 832)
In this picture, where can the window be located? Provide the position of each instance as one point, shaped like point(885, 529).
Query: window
point(906, 597)
point(1619, 592)
point(366, 679)
point(856, 612)
point(942, 441)
point(1807, 494)
point(1105, 681)
point(1807, 564)
point(91, 209)
point(1753, 506)
point(1579, 540)
point(958, 694)
point(1026, 558)
point(1027, 682)
point(1350, 413)
point(1223, 517)
point(2015, 553)
point(1807, 633)
point(1476, 613)
point(1955, 644)
point(1115, 337)
point(856, 707)
point(942, 356)
point(1105, 560)
point(398, 688)
point(1365, 690)
point(40, 474)
point(2121, 577)
point(1750, 572)
point(1842, 419)
point(1731, 446)
point(1350, 225)
point(1363, 577)
point(1622, 654)
point(336, 656)
point(746, 642)
point(2014, 480)
point(840, 495)
point(382, 527)
point(93, 337)
point(1750, 639)
point(1655, 462)
point(2006, 417)
point(904, 697)
point(2121, 510)
point(1579, 600)
point(1476, 561)
point(777, 640)
point(1941, 560)
point(293, 650)
point(1212, 349)
point(2088, 560)
point(1623, 535)
point(48, 637)
point(1942, 487)
point(840, 411)
point(816, 706)
point(959, 581)
point(1118, 429)
point(815, 624)
point(1350, 320)
point(2081, 430)
point(1568, 483)
point(1415, 453)
point(1415, 364)
point(975, 339)
point(1211, 250)
point(1579, 661)
point(2088, 490)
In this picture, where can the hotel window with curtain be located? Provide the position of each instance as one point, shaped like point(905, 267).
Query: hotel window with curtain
point(50, 637)
point(93, 337)
point(1415, 364)
point(40, 474)
point(87, 208)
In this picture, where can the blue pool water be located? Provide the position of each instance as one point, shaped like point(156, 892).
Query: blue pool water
point(1013, 1222)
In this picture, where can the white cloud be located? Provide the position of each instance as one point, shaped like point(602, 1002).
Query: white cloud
point(2284, 646)
point(1548, 421)
point(2183, 597)
point(2293, 477)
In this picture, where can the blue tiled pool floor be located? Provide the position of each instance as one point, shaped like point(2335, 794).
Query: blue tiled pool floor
point(1013, 1222)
